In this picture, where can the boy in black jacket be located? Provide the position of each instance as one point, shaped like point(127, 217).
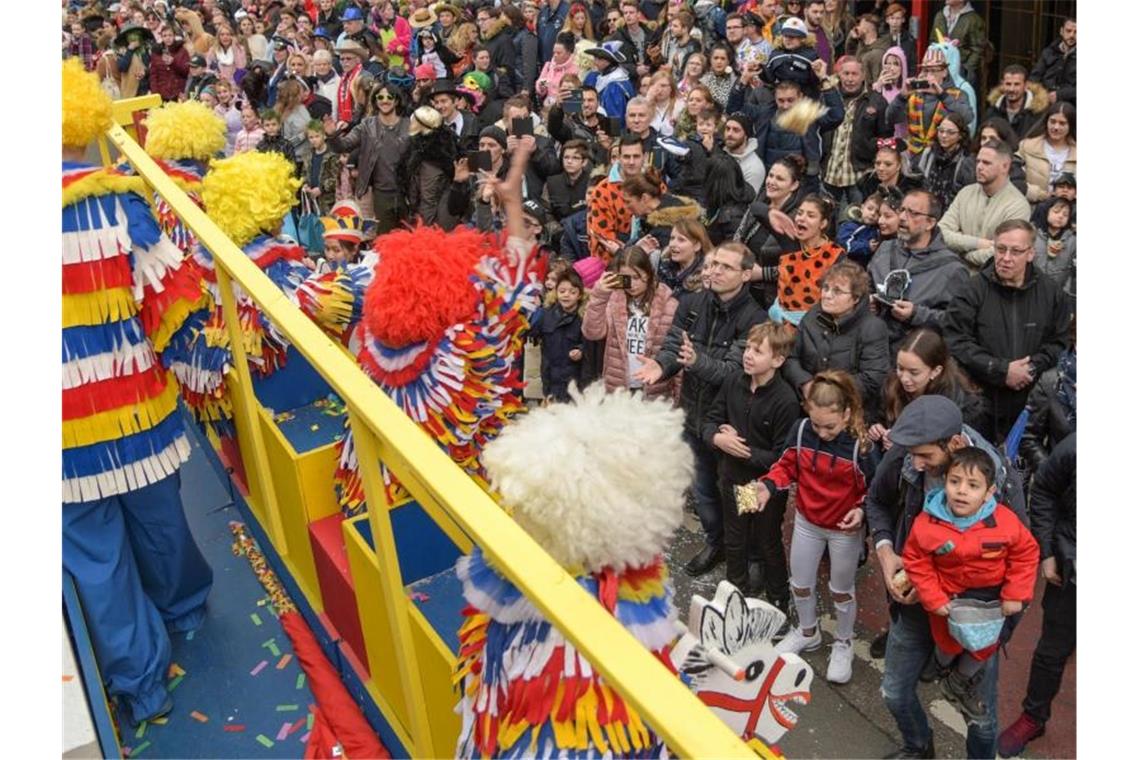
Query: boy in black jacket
point(748, 423)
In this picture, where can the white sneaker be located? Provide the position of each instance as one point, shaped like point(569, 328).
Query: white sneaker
point(839, 664)
point(796, 642)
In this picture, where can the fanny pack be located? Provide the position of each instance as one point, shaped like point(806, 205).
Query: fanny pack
point(975, 624)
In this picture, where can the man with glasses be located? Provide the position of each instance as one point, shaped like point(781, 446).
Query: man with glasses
point(927, 106)
point(978, 209)
point(1008, 325)
point(933, 271)
point(382, 140)
point(707, 342)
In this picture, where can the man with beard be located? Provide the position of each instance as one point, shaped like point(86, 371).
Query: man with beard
point(935, 272)
point(382, 140)
point(742, 147)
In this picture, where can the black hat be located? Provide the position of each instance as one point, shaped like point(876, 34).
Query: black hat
point(444, 87)
point(610, 51)
point(496, 134)
point(197, 60)
point(927, 419)
point(742, 119)
point(121, 37)
point(1066, 179)
point(534, 209)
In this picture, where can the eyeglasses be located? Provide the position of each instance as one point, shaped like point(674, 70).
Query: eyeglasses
point(828, 290)
point(947, 130)
point(1004, 250)
point(724, 267)
point(904, 211)
point(384, 97)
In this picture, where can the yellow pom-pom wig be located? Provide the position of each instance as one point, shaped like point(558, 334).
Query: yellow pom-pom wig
point(86, 107)
point(185, 130)
point(249, 193)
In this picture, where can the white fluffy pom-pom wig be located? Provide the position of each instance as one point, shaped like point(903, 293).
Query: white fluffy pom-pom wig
point(598, 482)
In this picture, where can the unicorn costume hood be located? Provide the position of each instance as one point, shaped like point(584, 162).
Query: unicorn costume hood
point(949, 49)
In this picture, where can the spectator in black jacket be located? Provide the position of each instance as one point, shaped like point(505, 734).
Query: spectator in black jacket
point(496, 34)
point(1053, 519)
point(1056, 67)
point(747, 424)
point(946, 165)
point(840, 332)
point(1008, 325)
point(1018, 101)
point(586, 125)
point(1052, 408)
point(707, 341)
point(527, 62)
point(567, 191)
point(850, 147)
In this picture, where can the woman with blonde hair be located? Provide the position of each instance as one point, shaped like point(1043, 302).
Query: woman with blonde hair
point(228, 55)
point(667, 104)
point(578, 24)
point(254, 42)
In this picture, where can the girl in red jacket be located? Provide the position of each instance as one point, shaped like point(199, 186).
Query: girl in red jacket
point(966, 545)
point(828, 457)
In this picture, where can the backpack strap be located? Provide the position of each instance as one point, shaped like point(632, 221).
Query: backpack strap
point(799, 444)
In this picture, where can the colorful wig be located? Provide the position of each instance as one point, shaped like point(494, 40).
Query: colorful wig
point(86, 107)
point(189, 129)
point(249, 193)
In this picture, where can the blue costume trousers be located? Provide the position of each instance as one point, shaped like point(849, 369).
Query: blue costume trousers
point(138, 572)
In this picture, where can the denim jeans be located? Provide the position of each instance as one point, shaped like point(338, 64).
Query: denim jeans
point(909, 645)
point(705, 490)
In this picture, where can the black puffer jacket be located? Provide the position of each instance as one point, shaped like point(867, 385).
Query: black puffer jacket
point(988, 325)
point(1053, 507)
point(766, 244)
point(1057, 72)
point(718, 333)
point(942, 174)
point(856, 343)
point(763, 417)
point(1048, 421)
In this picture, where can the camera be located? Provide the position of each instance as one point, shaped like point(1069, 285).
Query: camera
point(918, 84)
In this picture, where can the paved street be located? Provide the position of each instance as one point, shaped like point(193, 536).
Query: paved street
point(851, 721)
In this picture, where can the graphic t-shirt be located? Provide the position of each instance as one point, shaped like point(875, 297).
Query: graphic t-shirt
point(636, 336)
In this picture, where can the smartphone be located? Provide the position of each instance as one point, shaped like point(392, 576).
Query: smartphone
point(479, 160)
point(918, 84)
point(626, 281)
point(657, 159)
point(521, 127)
point(573, 102)
point(690, 320)
point(613, 126)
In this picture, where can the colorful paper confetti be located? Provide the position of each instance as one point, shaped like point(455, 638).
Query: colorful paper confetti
point(259, 667)
point(305, 737)
point(271, 645)
point(309, 722)
point(199, 716)
point(284, 661)
point(300, 680)
point(234, 727)
point(419, 596)
point(255, 618)
point(174, 683)
point(138, 750)
point(264, 740)
point(140, 730)
point(297, 724)
point(284, 732)
point(288, 708)
point(175, 670)
point(190, 635)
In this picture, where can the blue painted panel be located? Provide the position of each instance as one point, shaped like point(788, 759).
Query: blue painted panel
point(424, 549)
point(294, 385)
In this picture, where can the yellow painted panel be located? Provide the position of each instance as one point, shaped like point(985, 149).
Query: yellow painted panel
point(436, 663)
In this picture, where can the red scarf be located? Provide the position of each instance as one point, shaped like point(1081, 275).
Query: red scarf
point(344, 94)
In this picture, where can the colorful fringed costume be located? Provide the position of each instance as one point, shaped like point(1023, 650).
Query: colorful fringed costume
point(126, 291)
point(247, 196)
point(441, 334)
point(527, 692)
point(573, 480)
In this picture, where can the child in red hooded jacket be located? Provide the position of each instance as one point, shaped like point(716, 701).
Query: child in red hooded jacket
point(965, 544)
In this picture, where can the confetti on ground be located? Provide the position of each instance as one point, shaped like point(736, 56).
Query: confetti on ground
point(419, 596)
point(175, 670)
point(189, 635)
point(255, 618)
point(140, 730)
point(284, 417)
point(271, 645)
point(138, 750)
point(72, 678)
point(174, 684)
point(300, 680)
point(159, 721)
point(288, 708)
point(260, 667)
point(199, 716)
point(305, 737)
point(297, 724)
point(264, 740)
point(234, 727)
point(284, 661)
point(309, 722)
point(284, 732)
point(314, 428)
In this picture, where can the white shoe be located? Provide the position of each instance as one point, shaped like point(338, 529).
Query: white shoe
point(839, 664)
point(796, 642)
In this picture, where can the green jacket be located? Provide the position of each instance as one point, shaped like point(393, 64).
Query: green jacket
point(970, 31)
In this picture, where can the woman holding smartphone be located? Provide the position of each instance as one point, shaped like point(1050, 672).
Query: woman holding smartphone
point(632, 312)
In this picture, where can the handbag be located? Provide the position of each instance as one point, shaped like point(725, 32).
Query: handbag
point(310, 231)
point(975, 624)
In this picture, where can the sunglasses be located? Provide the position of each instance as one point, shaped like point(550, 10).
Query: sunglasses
point(384, 96)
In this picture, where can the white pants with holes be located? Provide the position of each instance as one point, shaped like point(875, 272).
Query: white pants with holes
point(808, 542)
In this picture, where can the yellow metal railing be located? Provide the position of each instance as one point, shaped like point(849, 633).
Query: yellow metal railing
point(383, 432)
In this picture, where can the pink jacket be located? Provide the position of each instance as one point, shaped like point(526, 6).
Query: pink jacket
point(606, 317)
point(551, 78)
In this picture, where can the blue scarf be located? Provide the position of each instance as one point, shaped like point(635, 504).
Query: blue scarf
point(936, 506)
